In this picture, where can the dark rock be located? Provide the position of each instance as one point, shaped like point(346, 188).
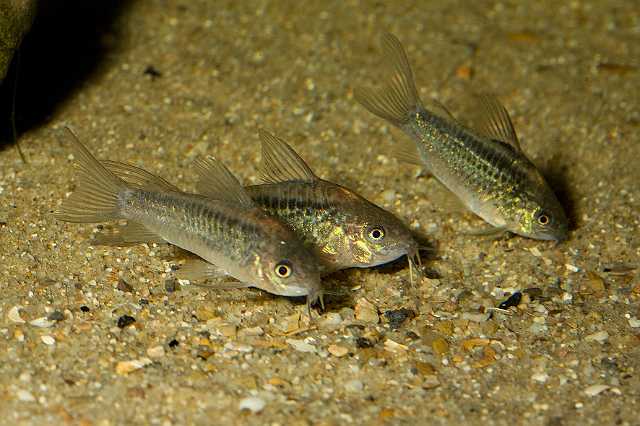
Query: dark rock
point(397, 317)
point(125, 321)
point(123, 285)
point(363, 342)
point(56, 316)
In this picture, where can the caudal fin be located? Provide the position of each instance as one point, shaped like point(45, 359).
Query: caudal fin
point(97, 198)
point(398, 99)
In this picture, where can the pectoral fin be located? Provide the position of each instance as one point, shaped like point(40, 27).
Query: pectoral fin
point(197, 269)
point(491, 232)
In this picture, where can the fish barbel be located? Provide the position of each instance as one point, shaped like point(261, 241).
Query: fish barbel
point(485, 168)
point(342, 228)
point(231, 233)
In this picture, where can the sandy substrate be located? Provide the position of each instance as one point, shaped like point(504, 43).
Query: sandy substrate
point(180, 79)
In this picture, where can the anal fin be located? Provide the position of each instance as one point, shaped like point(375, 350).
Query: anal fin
point(122, 235)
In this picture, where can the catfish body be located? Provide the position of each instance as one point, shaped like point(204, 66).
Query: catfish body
point(485, 168)
point(342, 228)
point(231, 233)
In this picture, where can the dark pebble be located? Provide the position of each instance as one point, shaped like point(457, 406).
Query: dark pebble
point(533, 292)
point(152, 72)
point(397, 317)
point(173, 343)
point(171, 285)
point(513, 300)
point(143, 301)
point(125, 321)
point(55, 316)
point(363, 343)
point(413, 336)
point(124, 286)
point(84, 308)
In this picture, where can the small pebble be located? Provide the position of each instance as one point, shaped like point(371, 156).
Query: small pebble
point(155, 352)
point(171, 285)
point(301, 345)
point(600, 337)
point(331, 320)
point(25, 396)
point(123, 285)
point(366, 311)
point(540, 377)
point(14, 315)
point(397, 317)
point(126, 367)
point(48, 340)
point(56, 316)
point(513, 300)
point(572, 268)
point(252, 331)
point(253, 404)
point(634, 322)
point(125, 321)
point(596, 389)
point(42, 322)
point(354, 386)
point(363, 343)
point(394, 347)
point(337, 351)
point(290, 323)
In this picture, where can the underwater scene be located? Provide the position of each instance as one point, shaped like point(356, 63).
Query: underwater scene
point(319, 213)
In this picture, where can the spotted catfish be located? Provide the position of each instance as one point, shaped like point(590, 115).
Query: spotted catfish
point(233, 235)
point(341, 227)
point(485, 168)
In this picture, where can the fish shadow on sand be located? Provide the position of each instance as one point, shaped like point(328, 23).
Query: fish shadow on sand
point(555, 171)
point(68, 42)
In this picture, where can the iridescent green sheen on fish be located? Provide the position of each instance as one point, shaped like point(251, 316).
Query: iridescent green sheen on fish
point(485, 168)
point(342, 228)
point(233, 235)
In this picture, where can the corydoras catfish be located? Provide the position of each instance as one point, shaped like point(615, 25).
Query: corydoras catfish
point(485, 168)
point(341, 227)
point(231, 233)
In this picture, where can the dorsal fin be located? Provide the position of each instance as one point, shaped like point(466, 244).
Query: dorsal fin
point(495, 122)
point(218, 183)
point(137, 177)
point(280, 163)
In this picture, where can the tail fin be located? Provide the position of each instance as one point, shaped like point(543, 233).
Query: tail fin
point(98, 196)
point(398, 99)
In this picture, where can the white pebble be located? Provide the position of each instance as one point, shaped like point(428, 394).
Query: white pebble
point(25, 396)
point(354, 386)
point(14, 315)
point(48, 340)
point(330, 320)
point(253, 404)
point(301, 345)
point(572, 268)
point(540, 377)
point(634, 322)
point(155, 352)
point(42, 322)
point(596, 389)
point(600, 337)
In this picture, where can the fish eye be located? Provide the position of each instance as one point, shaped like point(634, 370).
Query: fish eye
point(543, 219)
point(283, 269)
point(376, 233)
